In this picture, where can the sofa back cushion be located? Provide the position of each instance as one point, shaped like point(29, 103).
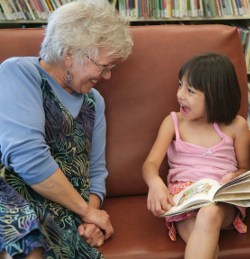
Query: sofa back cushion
point(142, 90)
point(20, 42)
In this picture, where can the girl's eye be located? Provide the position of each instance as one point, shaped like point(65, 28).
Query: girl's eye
point(191, 90)
point(179, 84)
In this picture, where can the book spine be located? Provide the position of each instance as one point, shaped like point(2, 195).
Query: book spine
point(44, 3)
point(32, 15)
point(54, 4)
point(51, 9)
point(122, 7)
point(13, 10)
point(235, 9)
point(223, 7)
point(4, 8)
point(2, 15)
point(23, 16)
point(218, 7)
point(35, 9)
point(239, 6)
point(8, 10)
point(16, 12)
point(41, 9)
point(194, 8)
point(201, 10)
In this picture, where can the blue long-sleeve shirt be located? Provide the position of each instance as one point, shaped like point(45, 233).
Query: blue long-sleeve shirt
point(22, 120)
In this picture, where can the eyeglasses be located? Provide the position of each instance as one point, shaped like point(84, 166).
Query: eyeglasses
point(103, 68)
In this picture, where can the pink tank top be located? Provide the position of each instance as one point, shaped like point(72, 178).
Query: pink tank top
point(190, 162)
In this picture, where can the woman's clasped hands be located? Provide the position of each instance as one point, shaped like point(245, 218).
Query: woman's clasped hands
point(96, 227)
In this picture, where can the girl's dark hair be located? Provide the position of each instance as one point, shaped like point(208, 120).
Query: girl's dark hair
point(214, 75)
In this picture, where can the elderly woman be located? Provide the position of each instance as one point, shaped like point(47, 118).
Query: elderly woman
point(52, 136)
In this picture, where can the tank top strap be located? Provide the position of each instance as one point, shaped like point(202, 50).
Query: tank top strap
point(218, 130)
point(175, 120)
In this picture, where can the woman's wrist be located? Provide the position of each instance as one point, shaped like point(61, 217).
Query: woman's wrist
point(83, 209)
point(95, 201)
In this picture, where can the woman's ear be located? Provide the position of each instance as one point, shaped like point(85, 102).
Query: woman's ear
point(68, 58)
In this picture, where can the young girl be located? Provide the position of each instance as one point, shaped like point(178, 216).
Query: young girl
point(205, 139)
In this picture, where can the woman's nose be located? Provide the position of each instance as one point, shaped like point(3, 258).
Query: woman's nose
point(106, 75)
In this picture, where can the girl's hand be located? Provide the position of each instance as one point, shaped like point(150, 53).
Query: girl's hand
point(92, 234)
point(159, 200)
point(227, 178)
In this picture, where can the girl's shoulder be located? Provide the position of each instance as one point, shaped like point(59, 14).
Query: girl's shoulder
point(238, 125)
point(172, 118)
point(168, 123)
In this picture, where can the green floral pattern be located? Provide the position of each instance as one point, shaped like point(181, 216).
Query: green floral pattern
point(69, 140)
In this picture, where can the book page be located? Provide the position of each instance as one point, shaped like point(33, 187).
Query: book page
point(243, 177)
point(234, 197)
point(240, 184)
point(235, 188)
point(174, 212)
point(198, 193)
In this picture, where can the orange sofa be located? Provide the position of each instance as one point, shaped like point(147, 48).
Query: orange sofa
point(140, 93)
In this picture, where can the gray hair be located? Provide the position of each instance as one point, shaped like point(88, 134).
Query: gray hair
point(83, 27)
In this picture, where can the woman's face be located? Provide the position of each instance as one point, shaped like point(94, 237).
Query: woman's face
point(88, 73)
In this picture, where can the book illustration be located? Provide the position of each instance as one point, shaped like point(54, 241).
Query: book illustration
point(202, 188)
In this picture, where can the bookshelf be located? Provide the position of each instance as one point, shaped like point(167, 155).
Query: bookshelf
point(137, 11)
point(34, 13)
point(171, 9)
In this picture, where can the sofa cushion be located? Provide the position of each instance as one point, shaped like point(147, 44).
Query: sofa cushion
point(140, 235)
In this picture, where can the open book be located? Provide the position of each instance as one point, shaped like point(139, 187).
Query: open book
point(207, 191)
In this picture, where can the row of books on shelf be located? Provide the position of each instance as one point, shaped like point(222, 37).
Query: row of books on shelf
point(182, 8)
point(245, 39)
point(28, 9)
point(248, 117)
point(40, 9)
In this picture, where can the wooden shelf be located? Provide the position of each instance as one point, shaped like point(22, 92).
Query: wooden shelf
point(193, 19)
point(23, 21)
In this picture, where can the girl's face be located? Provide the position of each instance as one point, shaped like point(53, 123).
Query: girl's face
point(87, 74)
point(191, 100)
